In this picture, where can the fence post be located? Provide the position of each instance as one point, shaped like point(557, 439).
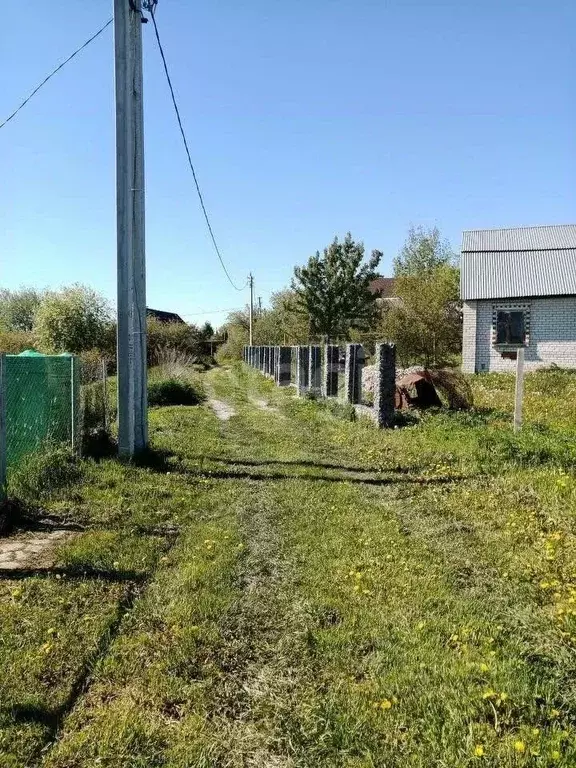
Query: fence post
point(302, 372)
point(353, 373)
point(73, 402)
point(2, 426)
point(276, 365)
point(284, 366)
point(519, 393)
point(315, 375)
point(105, 392)
point(385, 385)
point(330, 373)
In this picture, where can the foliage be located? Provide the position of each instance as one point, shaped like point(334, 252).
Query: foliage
point(281, 324)
point(425, 322)
point(182, 337)
point(73, 319)
point(423, 252)
point(333, 289)
point(14, 342)
point(41, 473)
point(173, 391)
point(18, 308)
point(207, 331)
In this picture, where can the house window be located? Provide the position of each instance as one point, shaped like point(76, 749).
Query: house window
point(511, 326)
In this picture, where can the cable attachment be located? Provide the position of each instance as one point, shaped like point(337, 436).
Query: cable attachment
point(144, 6)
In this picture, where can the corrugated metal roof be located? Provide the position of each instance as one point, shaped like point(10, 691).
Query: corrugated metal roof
point(506, 274)
point(520, 239)
point(511, 263)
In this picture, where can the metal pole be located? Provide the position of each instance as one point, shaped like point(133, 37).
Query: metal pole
point(519, 395)
point(105, 392)
point(251, 280)
point(2, 426)
point(132, 395)
point(72, 404)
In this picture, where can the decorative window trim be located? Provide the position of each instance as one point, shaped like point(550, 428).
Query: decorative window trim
point(510, 307)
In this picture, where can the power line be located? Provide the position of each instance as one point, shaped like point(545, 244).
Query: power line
point(213, 311)
point(152, 9)
point(58, 68)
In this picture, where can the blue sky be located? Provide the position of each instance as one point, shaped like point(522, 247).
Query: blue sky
point(306, 119)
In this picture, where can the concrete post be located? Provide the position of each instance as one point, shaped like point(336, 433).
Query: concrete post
point(330, 371)
point(276, 365)
point(261, 359)
point(271, 362)
point(284, 366)
point(353, 373)
point(302, 372)
point(315, 375)
point(385, 385)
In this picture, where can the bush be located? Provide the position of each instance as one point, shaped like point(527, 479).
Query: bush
point(40, 474)
point(71, 320)
point(173, 391)
point(14, 342)
point(181, 337)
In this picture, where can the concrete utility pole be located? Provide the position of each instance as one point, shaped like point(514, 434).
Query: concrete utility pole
point(132, 394)
point(251, 281)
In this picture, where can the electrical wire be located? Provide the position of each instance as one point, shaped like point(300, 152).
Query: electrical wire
point(58, 68)
point(213, 311)
point(151, 8)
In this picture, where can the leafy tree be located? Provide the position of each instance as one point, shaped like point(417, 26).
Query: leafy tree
point(425, 321)
point(283, 323)
point(207, 331)
point(333, 289)
point(17, 308)
point(423, 251)
point(73, 319)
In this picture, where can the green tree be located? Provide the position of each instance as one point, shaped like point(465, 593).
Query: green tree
point(207, 331)
point(423, 251)
point(425, 319)
point(73, 319)
point(332, 289)
point(17, 308)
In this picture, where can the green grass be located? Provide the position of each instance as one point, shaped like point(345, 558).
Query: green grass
point(294, 590)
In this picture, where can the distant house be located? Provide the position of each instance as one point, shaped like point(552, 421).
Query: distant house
point(384, 288)
point(518, 288)
point(164, 317)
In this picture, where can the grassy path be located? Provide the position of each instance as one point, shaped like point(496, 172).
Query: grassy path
point(286, 590)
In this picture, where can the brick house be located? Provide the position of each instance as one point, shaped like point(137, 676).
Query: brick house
point(518, 288)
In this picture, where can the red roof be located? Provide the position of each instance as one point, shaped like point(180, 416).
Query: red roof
point(383, 286)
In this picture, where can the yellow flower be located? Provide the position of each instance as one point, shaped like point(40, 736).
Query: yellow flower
point(535, 731)
point(488, 694)
point(385, 704)
point(478, 750)
point(555, 755)
point(519, 746)
point(484, 668)
point(554, 713)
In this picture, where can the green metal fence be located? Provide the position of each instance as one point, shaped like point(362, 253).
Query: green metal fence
point(40, 399)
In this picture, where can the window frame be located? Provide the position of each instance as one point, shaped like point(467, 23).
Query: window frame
point(510, 307)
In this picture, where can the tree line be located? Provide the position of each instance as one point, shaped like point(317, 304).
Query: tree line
point(79, 320)
point(331, 299)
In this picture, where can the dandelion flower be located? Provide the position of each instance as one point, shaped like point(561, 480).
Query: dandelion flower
point(555, 755)
point(385, 704)
point(519, 746)
point(478, 750)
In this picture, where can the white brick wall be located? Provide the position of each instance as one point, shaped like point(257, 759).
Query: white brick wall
point(469, 336)
point(552, 335)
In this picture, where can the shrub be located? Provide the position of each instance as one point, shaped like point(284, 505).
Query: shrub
point(14, 342)
point(40, 474)
point(71, 320)
point(173, 391)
